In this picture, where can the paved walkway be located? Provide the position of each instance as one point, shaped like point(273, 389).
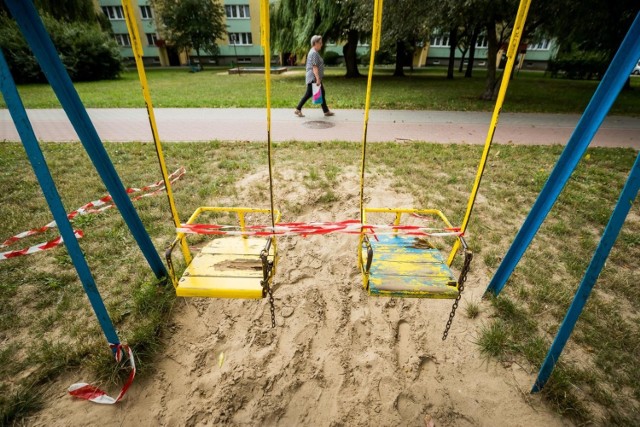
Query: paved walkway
point(249, 124)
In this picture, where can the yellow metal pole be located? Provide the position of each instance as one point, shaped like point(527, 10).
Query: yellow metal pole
point(138, 53)
point(266, 45)
point(265, 38)
point(375, 45)
point(265, 34)
point(512, 52)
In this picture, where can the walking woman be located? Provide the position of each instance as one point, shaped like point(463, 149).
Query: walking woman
point(314, 74)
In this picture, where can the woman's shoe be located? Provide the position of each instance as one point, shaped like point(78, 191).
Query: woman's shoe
point(298, 113)
point(329, 113)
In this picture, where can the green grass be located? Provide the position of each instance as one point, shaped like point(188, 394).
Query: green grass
point(472, 310)
point(47, 325)
point(48, 328)
point(423, 89)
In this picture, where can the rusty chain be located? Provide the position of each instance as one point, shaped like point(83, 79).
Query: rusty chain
point(267, 268)
point(463, 278)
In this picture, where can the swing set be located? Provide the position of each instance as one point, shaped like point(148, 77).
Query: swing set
point(242, 262)
point(395, 260)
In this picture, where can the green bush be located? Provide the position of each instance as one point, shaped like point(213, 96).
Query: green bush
point(579, 66)
point(383, 57)
point(363, 59)
point(331, 57)
point(86, 51)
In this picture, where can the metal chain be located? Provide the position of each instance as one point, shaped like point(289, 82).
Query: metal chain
point(273, 307)
point(463, 278)
point(267, 268)
point(267, 289)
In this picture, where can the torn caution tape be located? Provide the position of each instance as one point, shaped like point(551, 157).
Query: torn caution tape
point(88, 392)
point(40, 247)
point(351, 226)
point(96, 206)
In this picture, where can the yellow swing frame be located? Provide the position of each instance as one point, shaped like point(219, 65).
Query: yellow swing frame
point(399, 266)
point(230, 266)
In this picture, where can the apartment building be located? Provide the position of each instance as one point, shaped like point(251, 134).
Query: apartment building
point(533, 56)
point(155, 52)
point(240, 46)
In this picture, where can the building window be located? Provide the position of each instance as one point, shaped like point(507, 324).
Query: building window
point(240, 39)
point(440, 41)
point(482, 42)
point(123, 39)
point(238, 11)
point(541, 45)
point(145, 12)
point(152, 39)
point(114, 13)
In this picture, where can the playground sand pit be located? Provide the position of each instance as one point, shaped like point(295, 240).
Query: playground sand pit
point(336, 358)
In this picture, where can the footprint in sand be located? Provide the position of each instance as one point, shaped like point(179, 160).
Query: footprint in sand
point(404, 345)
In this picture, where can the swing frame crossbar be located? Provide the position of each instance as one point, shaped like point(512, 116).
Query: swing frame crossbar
point(254, 260)
point(405, 265)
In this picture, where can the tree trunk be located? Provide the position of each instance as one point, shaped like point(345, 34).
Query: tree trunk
point(411, 55)
point(400, 54)
point(453, 42)
point(472, 52)
point(351, 55)
point(200, 67)
point(492, 52)
point(464, 53)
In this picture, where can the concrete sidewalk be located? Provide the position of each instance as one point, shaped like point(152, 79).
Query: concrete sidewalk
point(249, 124)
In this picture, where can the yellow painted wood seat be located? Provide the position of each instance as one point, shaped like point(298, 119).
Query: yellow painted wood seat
point(230, 266)
point(227, 267)
point(402, 266)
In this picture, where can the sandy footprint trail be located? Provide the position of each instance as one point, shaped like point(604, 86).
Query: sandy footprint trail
point(337, 356)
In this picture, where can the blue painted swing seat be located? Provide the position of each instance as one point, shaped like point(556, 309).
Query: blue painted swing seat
point(403, 267)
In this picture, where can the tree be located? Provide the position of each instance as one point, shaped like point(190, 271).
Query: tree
point(403, 30)
point(191, 24)
point(87, 50)
point(293, 22)
point(589, 28)
point(473, 39)
point(591, 25)
point(451, 15)
point(464, 21)
point(69, 10)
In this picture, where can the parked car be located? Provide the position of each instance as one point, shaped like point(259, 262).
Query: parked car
point(636, 70)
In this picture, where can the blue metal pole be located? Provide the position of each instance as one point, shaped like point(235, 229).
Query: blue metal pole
point(19, 115)
point(36, 35)
point(620, 212)
point(606, 93)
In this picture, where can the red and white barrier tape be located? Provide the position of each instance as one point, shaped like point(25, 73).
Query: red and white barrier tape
point(96, 206)
point(351, 226)
point(88, 392)
point(38, 248)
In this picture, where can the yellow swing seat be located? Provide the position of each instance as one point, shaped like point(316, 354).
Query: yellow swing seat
point(229, 266)
point(407, 266)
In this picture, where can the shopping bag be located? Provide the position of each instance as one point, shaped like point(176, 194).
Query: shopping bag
point(317, 94)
